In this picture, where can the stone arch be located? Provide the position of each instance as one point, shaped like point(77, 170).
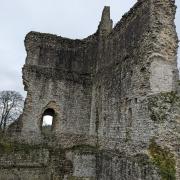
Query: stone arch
point(53, 110)
point(47, 120)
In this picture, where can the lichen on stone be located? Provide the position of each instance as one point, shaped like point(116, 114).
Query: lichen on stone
point(5, 147)
point(160, 105)
point(163, 159)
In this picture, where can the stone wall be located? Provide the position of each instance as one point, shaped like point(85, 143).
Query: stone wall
point(58, 71)
point(115, 100)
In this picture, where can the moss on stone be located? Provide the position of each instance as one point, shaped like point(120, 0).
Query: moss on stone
point(178, 82)
point(80, 178)
point(142, 160)
point(160, 105)
point(27, 148)
point(85, 149)
point(6, 146)
point(163, 159)
point(171, 97)
point(128, 135)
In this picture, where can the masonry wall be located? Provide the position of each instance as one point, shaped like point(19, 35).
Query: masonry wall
point(57, 75)
point(119, 80)
point(130, 68)
point(114, 97)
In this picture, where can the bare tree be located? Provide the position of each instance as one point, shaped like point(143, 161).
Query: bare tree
point(11, 105)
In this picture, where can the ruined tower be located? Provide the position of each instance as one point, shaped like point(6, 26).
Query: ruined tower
point(113, 97)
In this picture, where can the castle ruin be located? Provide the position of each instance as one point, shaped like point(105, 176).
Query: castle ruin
point(114, 98)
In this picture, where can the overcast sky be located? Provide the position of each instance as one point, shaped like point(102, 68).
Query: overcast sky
point(68, 18)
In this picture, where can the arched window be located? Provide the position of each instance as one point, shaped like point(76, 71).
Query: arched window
point(47, 121)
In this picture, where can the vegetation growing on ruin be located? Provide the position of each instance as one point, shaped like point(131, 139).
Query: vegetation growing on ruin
point(163, 159)
point(128, 135)
point(160, 105)
point(80, 178)
point(85, 149)
point(7, 146)
point(142, 160)
point(178, 82)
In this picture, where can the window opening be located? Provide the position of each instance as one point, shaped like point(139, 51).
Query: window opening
point(47, 121)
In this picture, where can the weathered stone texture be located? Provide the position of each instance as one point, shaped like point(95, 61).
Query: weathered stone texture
point(116, 100)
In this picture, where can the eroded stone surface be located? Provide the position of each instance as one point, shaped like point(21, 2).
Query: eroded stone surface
point(115, 98)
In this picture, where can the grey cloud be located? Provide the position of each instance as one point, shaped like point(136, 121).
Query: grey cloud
point(68, 18)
